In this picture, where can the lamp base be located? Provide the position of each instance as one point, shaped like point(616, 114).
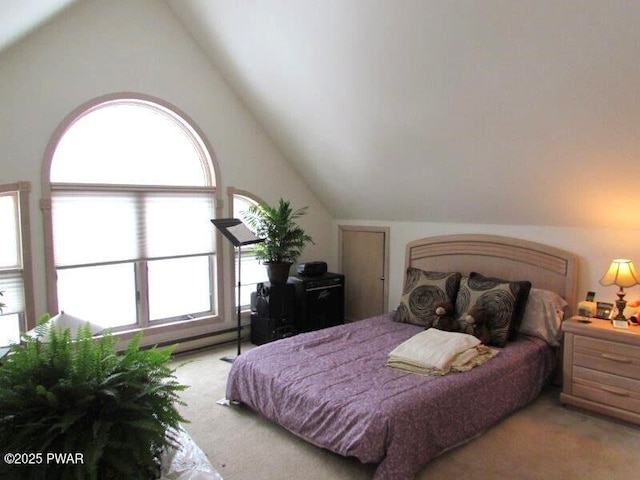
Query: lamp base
point(621, 304)
point(229, 358)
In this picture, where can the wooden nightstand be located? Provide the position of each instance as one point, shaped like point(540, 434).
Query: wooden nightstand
point(601, 368)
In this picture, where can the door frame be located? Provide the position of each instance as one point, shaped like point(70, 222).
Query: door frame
point(386, 231)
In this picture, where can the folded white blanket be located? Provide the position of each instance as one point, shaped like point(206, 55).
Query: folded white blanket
point(434, 349)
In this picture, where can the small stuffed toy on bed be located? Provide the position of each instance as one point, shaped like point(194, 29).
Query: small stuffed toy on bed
point(475, 323)
point(444, 317)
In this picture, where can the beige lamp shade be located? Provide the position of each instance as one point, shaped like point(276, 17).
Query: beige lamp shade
point(61, 322)
point(621, 273)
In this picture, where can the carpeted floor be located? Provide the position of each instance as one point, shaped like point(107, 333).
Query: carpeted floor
point(541, 441)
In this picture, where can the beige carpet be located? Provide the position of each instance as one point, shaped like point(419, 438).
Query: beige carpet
point(541, 441)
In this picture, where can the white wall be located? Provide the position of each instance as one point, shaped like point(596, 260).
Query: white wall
point(98, 47)
point(595, 248)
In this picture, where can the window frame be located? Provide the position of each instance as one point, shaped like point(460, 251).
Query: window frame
point(233, 192)
point(156, 330)
point(142, 194)
point(22, 192)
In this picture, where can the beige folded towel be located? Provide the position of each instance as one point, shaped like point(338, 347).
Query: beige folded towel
point(434, 350)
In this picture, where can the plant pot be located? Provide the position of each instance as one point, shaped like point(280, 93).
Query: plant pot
point(278, 272)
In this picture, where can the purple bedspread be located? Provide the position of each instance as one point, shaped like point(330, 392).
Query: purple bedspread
point(332, 388)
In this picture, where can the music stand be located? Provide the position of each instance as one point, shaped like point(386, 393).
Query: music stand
point(238, 234)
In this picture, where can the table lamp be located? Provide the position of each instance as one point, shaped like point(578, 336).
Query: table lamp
point(623, 274)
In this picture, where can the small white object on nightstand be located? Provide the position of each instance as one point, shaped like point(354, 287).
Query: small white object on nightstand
point(620, 323)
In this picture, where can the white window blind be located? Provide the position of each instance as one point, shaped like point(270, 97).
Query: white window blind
point(11, 281)
point(12, 288)
point(10, 238)
point(99, 227)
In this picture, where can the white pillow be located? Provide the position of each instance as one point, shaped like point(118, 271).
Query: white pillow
point(543, 316)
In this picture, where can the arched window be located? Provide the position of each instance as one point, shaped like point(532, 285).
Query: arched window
point(253, 271)
point(132, 191)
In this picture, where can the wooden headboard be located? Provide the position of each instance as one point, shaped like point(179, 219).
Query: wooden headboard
point(545, 267)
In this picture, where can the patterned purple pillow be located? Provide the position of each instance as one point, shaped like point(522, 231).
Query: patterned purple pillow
point(523, 287)
point(498, 298)
point(422, 291)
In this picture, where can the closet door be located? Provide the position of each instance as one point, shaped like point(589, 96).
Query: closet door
point(364, 263)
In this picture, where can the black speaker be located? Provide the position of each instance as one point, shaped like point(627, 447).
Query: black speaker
point(319, 301)
point(277, 301)
point(272, 313)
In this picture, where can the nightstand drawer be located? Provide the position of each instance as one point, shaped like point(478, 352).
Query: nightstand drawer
point(607, 356)
point(607, 389)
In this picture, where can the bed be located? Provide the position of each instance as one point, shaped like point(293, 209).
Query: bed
point(332, 388)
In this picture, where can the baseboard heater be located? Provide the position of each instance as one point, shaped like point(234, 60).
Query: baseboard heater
point(206, 340)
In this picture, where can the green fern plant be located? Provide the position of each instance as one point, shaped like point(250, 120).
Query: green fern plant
point(80, 396)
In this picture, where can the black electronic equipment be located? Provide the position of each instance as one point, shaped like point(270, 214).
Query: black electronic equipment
point(319, 301)
point(312, 269)
point(272, 312)
point(275, 301)
point(265, 330)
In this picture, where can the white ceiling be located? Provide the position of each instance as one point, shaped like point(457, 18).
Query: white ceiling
point(485, 111)
point(19, 17)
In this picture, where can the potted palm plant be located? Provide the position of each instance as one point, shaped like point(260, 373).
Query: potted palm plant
point(284, 240)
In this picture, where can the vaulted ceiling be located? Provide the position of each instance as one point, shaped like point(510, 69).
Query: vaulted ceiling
point(482, 111)
point(19, 17)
